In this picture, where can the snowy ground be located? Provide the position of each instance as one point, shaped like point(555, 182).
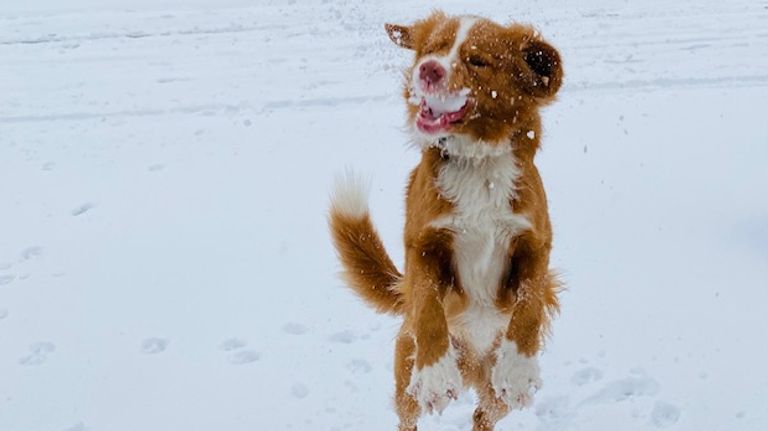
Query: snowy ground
point(164, 171)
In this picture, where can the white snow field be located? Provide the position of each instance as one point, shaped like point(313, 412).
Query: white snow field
point(164, 173)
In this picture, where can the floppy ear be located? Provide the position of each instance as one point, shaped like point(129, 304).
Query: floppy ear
point(400, 34)
point(542, 71)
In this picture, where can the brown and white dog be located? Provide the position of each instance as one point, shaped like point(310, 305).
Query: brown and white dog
point(477, 293)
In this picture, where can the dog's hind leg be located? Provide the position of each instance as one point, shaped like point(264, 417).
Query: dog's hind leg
point(489, 408)
point(407, 408)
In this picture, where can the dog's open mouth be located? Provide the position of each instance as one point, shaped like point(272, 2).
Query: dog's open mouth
point(437, 112)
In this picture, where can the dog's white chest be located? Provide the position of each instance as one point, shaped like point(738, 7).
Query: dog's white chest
point(483, 220)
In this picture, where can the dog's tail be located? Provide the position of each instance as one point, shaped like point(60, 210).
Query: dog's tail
point(367, 268)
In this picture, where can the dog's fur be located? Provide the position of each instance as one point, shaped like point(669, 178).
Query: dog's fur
point(477, 293)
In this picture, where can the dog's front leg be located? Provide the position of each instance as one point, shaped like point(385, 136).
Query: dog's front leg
point(436, 378)
point(515, 375)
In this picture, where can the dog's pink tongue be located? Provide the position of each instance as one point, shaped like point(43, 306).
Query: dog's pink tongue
point(429, 123)
point(426, 122)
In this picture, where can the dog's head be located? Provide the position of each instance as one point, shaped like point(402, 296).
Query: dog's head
point(476, 78)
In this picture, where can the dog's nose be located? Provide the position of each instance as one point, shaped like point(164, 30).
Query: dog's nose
point(431, 72)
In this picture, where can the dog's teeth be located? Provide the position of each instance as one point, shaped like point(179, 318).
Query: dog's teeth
point(443, 103)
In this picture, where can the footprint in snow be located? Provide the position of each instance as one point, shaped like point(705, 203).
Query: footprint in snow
point(344, 337)
point(77, 427)
point(554, 413)
point(156, 167)
point(299, 390)
point(82, 209)
point(294, 328)
point(586, 375)
point(32, 252)
point(151, 346)
point(3, 313)
point(238, 356)
point(351, 385)
point(664, 414)
point(243, 357)
point(38, 353)
point(231, 344)
point(623, 389)
point(6, 279)
point(359, 366)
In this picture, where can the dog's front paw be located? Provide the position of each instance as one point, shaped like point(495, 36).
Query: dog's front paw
point(515, 377)
point(434, 386)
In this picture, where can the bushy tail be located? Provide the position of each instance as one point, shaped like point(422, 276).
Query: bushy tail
point(368, 270)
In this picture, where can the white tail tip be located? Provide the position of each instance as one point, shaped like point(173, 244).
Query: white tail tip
point(350, 195)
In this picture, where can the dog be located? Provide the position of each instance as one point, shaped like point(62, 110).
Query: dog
point(477, 293)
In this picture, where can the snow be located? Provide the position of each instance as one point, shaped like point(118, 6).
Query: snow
point(166, 167)
point(445, 103)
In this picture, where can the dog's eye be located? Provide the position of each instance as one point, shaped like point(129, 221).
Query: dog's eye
point(433, 48)
point(478, 62)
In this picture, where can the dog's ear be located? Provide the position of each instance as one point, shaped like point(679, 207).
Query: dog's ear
point(541, 70)
point(400, 35)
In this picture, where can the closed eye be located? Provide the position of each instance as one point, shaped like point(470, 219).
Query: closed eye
point(478, 62)
point(434, 48)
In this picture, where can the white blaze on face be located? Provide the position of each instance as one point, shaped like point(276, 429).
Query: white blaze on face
point(447, 61)
point(465, 25)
